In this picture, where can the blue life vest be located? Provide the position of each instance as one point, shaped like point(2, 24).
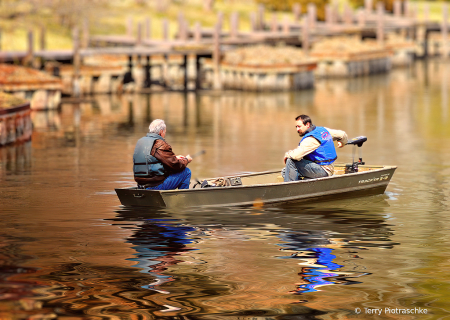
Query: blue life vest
point(144, 164)
point(326, 152)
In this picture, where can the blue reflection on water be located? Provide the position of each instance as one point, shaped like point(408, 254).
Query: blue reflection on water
point(157, 243)
point(319, 276)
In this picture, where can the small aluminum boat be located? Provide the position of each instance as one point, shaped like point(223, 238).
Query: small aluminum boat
point(265, 188)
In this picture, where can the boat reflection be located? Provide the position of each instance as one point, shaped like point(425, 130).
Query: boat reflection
point(15, 159)
point(256, 260)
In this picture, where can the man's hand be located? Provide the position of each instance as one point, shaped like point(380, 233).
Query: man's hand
point(188, 157)
point(340, 144)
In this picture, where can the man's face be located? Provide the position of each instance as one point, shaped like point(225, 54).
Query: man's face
point(301, 128)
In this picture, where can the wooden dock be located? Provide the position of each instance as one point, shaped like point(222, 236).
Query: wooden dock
point(195, 43)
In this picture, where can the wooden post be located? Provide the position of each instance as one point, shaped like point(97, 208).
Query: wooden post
point(261, 17)
point(165, 29)
point(406, 8)
point(368, 6)
point(130, 27)
point(42, 43)
point(181, 27)
point(76, 62)
point(30, 48)
point(296, 10)
point(380, 23)
point(253, 21)
point(444, 29)
point(85, 41)
point(220, 20)
point(148, 30)
point(312, 15)
point(328, 15)
point(286, 28)
point(234, 25)
point(197, 72)
point(274, 23)
point(139, 34)
point(361, 18)
point(198, 32)
point(148, 73)
point(217, 83)
point(185, 76)
point(305, 37)
point(348, 15)
point(336, 15)
point(397, 8)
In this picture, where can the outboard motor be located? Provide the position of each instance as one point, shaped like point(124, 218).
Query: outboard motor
point(353, 167)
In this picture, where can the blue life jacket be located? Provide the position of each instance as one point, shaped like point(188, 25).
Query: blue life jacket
point(144, 164)
point(326, 153)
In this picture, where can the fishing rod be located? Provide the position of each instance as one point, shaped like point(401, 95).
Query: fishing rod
point(199, 153)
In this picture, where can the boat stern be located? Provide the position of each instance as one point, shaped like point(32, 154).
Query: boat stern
point(133, 197)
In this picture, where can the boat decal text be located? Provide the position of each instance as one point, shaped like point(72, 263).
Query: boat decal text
point(380, 178)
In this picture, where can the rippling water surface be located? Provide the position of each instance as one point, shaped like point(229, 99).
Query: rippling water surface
point(68, 250)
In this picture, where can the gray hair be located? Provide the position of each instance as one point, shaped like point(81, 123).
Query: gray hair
point(156, 126)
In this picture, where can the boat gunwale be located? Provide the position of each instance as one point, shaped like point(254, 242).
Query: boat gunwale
point(162, 192)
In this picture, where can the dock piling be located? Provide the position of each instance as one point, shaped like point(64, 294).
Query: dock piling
point(305, 37)
point(197, 72)
point(76, 61)
point(148, 73)
point(397, 8)
point(185, 73)
point(165, 29)
point(130, 27)
point(139, 34)
point(148, 30)
point(361, 18)
point(85, 39)
point(328, 15)
point(234, 25)
point(253, 25)
point(30, 48)
point(42, 43)
point(274, 23)
point(261, 22)
point(368, 5)
point(380, 24)
point(220, 20)
point(286, 27)
point(312, 15)
point(198, 32)
point(217, 83)
point(348, 15)
point(296, 10)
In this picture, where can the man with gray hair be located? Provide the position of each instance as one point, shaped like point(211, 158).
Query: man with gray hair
point(155, 166)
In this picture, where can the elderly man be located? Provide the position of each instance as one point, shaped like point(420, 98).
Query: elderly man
point(315, 154)
point(155, 166)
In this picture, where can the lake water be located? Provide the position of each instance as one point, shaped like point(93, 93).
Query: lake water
point(69, 250)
